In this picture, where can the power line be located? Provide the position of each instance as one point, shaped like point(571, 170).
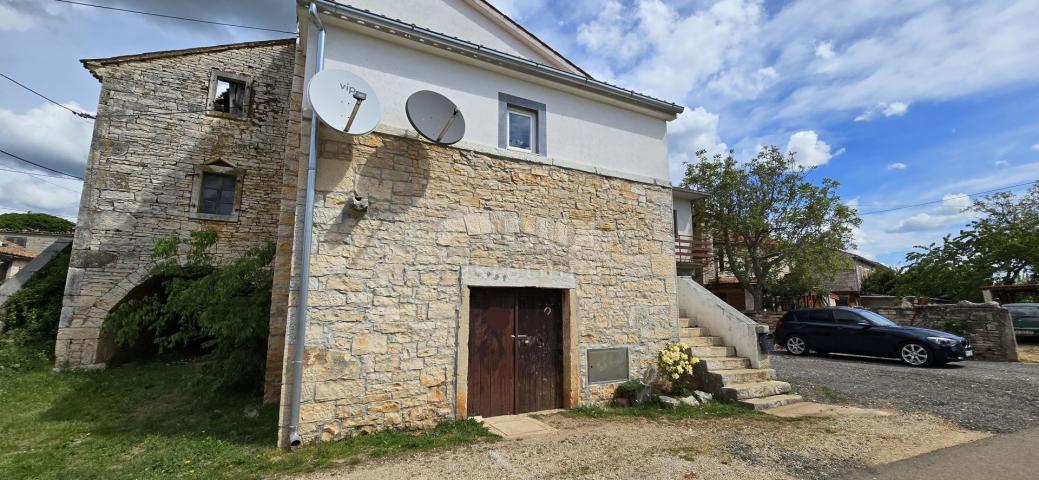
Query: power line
point(174, 17)
point(26, 172)
point(38, 94)
point(965, 195)
point(16, 157)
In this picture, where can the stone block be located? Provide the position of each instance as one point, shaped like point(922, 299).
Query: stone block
point(368, 344)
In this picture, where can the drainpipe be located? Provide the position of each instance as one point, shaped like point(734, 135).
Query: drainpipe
point(308, 231)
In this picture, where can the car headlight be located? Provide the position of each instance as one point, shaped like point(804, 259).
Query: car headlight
point(943, 341)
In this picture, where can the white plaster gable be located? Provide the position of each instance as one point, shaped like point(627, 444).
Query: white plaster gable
point(470, 20)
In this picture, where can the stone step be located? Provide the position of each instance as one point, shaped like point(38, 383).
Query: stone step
point(725, 363)
point(702, 341)
point(705, 352)
point(686, 332)
point(743, 391)
point(686, 322)
point(745, 375)
point(773, 401)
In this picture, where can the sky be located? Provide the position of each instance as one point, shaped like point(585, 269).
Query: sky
point(901, 101)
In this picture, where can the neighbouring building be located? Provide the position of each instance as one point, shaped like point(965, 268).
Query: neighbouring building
point(530, 266)
point(18, 248)
point(217, 162)
point(12, 258)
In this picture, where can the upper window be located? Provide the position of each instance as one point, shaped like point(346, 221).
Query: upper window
point(218, 194)
point(229, 94)
point(522, 129)
point(521, 124)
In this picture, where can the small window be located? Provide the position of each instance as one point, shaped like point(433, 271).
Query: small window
point(521, 124)
point(820, 316)
point(229, 94)
point(844, 317)
point(522, 129)
point(218, 194)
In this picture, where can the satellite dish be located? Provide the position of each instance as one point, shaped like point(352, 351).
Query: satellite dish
point(344, 101)
point(435, 117)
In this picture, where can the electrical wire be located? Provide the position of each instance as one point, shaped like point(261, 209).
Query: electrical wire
point(26, 172)
point(174, 17)
point(49, 169)
point(965, 195)
point(38, 94)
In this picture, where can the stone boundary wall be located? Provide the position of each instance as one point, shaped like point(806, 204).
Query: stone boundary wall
point(986, 326)
point(766, 318)
point(141, 173)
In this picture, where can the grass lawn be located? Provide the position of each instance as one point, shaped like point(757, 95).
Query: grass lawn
point(162, 420)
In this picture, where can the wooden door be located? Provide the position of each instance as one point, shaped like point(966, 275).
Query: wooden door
point(515, 351)
point(539, 357)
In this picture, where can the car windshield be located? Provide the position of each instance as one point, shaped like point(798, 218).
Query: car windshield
point(877, 318)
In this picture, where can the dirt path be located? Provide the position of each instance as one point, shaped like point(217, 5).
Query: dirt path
point(734, 448)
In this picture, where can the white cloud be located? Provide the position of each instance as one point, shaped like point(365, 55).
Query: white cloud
point(824, 50)
point(48, 134)
point(951, 211)
point(11, 19)
point(695, 129)
point(896, 166)
point(1001, 163)
point(1035, 147)
point(892, 109)
point(809, 149)
point(739, 85)
point(610, 31)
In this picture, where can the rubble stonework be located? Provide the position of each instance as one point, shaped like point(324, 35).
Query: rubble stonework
point(386, 296)
point(987, 326)
point(140, 173)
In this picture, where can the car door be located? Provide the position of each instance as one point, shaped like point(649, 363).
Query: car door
point(819, 330)
point(849, 333)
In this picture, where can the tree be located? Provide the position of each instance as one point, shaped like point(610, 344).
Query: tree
point(1000, 246)
point(37, 222)
point(881, 282)
point(767, 216)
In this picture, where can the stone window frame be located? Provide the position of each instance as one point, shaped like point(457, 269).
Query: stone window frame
point(215, 75)
point(508, 102)
point(196, 192)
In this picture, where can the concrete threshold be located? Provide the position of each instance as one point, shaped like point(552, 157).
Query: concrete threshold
point(517, 426)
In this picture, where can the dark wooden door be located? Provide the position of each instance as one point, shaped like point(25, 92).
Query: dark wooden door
point(539, 357)
point(515, 351)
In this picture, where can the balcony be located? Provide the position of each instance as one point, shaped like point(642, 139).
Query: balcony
point(690, 250)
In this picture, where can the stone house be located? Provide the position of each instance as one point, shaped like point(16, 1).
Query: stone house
point(529, 266)
point(12, 258)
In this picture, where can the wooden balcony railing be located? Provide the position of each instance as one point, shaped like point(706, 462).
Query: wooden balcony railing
point(690, 250)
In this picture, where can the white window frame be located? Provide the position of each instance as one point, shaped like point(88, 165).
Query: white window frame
point(533, 134)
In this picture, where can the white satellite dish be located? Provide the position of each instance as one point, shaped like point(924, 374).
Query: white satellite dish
point(435, 117)
point(344, 101)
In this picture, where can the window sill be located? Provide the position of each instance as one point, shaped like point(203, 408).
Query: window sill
point(213, 217)
point(229, 116)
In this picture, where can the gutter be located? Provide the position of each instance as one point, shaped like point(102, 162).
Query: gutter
point(411, 32)
point(300, 335)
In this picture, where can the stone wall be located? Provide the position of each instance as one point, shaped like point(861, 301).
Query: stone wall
point(386, 292)
point(141, 171)
point(986, 326)
point(766, 318)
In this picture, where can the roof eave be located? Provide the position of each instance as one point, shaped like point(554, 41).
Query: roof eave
point(429, 38)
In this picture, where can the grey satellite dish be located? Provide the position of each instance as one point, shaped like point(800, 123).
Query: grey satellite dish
point(344, 101)
point(435, 117)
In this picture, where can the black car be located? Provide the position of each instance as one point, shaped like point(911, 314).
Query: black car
point(862, 332)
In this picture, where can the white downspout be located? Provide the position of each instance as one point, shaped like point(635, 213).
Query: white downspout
point(308, 231)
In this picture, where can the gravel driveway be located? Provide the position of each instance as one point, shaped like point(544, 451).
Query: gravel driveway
point(993, 396)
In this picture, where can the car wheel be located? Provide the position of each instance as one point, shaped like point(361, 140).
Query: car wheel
point(915, 355)
point(795, 345)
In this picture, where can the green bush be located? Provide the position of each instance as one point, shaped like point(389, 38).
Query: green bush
point(223, 308)
point(29, 319)
point(630, 390)
point(40, 222)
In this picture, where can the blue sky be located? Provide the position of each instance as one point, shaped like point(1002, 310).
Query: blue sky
point(902, 102)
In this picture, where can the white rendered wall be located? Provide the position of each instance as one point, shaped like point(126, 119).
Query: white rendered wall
point(452, 17)
point(683, 217)
point(579, 130)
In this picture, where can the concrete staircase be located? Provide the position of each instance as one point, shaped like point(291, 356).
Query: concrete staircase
point(723, 374)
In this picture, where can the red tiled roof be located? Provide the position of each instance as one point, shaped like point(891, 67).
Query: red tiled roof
point(15, 251)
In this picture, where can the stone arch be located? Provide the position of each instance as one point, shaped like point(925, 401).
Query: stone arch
point(117, 293)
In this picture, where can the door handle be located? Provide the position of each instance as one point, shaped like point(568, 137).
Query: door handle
point(524, 339)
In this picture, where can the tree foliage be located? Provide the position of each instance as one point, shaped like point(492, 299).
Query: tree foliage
point(767, 216)
point(1001, 246)
point(224, 308)
point(29, 319)
point(883, 281)
point(37, 222)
